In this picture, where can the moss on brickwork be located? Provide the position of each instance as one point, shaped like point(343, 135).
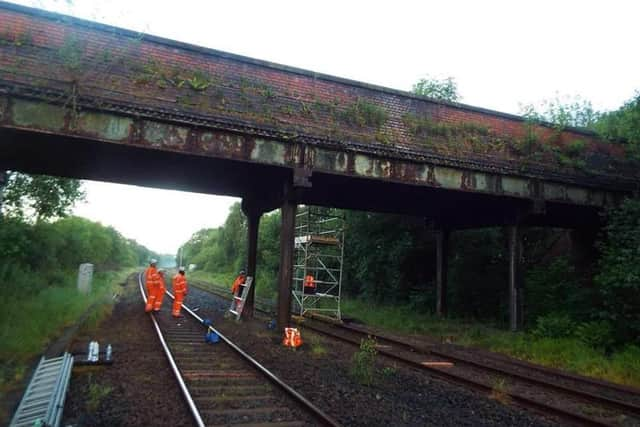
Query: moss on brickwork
point(364, 113)
point(93, 66)
point(71, 53)
point(8, 36)
point(472, 137)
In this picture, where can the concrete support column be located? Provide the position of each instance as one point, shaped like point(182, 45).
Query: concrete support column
point(442, 264)
point(285, 275)
point(516, 297)
point(253, 224)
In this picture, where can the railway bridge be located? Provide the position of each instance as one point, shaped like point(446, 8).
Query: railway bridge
point(85, 100)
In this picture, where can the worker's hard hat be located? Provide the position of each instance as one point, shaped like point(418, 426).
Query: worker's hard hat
point(181, 268)
point(161, 270)
point(243, 272)
point(153, 261)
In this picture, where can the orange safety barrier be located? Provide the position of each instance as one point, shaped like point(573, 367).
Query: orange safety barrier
point(292, 338)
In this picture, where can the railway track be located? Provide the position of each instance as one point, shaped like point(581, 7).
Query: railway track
point(621, 397)
point(572, 398)
point(223, 385)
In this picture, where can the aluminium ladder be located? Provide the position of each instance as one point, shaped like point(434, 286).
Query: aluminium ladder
point(237, 302)
point(43, 401)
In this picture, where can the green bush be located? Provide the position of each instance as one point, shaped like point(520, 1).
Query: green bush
point(554, 325)
point(618, 279)
point(363, 362)
point(625, 366)
point(596, 334)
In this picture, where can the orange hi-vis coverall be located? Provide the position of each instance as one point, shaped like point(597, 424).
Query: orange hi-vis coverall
point(151, 283)
point(236, 284)
point(180, 290)
point(160, 289)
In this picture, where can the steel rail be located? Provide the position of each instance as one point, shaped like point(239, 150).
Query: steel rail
point(522, 401)
point(618, 404)
point(325, 418)
point(183, 387)
point(619, 388)
point(614, 403)
point(519, 363)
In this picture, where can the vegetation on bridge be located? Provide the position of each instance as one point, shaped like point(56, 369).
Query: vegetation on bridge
point(300, 107)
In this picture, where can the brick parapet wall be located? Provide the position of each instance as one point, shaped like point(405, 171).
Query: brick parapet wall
point(50, 51)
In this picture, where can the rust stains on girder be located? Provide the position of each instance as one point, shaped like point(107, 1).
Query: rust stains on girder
point(217, 144)
point(104, 126)
point(38, 116)
point(161, 135)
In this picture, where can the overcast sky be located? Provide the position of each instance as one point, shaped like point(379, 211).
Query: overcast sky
point(501, 53)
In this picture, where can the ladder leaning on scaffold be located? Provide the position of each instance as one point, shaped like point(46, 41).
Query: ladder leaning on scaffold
point(237, 302)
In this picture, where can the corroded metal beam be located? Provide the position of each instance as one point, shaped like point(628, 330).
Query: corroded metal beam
point(118, 86)
point(39, 117)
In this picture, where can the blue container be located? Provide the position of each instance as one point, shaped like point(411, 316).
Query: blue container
point(211, 337)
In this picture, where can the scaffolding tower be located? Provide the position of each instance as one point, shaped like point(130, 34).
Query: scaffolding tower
point(319, 250)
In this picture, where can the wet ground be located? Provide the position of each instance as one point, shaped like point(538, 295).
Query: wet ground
point(139, 389)
point(321, 371)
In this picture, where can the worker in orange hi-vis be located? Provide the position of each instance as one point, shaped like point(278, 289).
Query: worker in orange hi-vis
point(238, 284)
point(160, 289)
point(180, 289)
point(151, 282)
point(309, 284)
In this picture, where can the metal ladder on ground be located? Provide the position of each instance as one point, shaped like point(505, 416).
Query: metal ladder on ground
point(237, 302)
point(43, 402)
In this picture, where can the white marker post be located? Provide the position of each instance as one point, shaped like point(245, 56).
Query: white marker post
point(85, 274)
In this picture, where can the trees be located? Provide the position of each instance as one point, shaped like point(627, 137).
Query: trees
point(623, 125)
point(563, 112)
point(38, 196)
point(445, 89)
point(618, 279)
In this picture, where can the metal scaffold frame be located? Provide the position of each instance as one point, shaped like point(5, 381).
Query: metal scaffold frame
point(319, 252)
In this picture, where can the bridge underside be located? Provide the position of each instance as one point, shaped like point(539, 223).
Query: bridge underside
point(74, 157)
point(84, 100)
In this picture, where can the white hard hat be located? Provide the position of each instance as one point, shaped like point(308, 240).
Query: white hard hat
point(181, 268)
point(161, 270)
point(153, 261)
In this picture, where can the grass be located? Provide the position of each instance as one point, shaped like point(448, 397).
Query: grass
point(621, 366)
point(499, 391)
point(29, 321)
point(96, 394)
point(318, 350)
point(363, 362)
